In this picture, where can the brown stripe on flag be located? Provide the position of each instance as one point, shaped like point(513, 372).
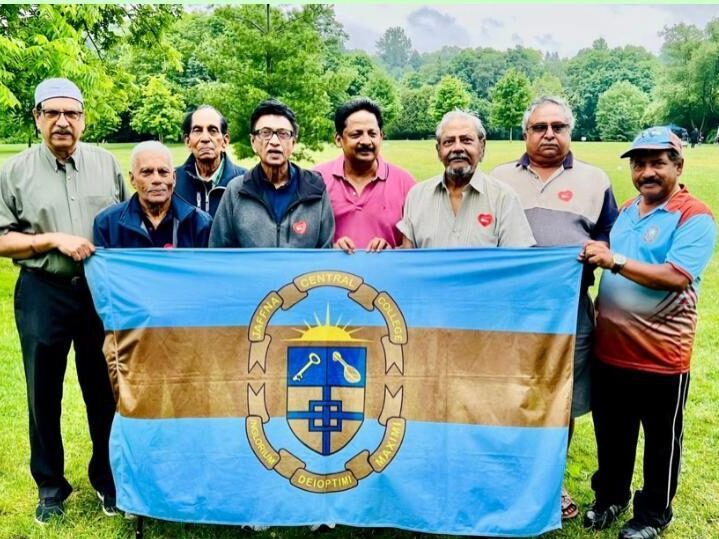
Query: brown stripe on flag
point(455, 376)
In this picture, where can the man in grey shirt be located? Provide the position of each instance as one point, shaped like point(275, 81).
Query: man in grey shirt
point(49, 195)
point(276, 203)
point(567, 202)
point(463, 207)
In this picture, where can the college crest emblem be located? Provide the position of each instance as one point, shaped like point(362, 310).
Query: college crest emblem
point(325, 395)
point(326, 377)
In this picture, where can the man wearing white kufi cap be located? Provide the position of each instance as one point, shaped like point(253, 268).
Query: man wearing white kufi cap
point(49, 195)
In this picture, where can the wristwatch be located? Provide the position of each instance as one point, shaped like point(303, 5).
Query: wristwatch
point(618, 262)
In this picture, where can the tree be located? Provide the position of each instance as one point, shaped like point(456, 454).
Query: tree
point(547, 85)
point(450, 94)
point(73, 41)
point(592, 71)
point(248, 58)
point(363, 67)
point(510, 98)
point(394, 49)
point(524, 60)
point(688, 92)
point(620, 111)
point(415, 122)
point(159, 111)
point(435, 65)
point(381, 88)
point(479, 68)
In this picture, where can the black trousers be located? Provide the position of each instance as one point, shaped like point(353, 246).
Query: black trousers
point(622, 400)
point(52, 313)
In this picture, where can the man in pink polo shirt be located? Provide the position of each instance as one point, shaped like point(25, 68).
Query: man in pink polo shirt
point(367, 193)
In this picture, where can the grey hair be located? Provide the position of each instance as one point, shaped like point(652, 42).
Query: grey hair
point(149, 146)
point(548, 100)
point(461, 114)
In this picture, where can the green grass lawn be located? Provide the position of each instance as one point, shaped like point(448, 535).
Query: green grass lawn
point(696, 506)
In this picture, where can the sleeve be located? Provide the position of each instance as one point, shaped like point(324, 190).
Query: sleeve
point(405, 225)
point(693, 245)
point(409, 183)
point(8, 219)
point(327, 223)
point(222, 233)
point(514, 229)
point(99, 230)
point(606, 217)
point(205, 225)
point(120, 187)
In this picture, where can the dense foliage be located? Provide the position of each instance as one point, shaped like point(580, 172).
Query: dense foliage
point(142, 66)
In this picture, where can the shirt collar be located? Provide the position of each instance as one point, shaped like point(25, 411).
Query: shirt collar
point(338, 168)
point(477, 182)
point(73, 160)
point(663, 206)
point(215, 178)
point(567, 163)
point(292, 179)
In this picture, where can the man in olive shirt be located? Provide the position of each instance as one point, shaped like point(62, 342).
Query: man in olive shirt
point(49, 195)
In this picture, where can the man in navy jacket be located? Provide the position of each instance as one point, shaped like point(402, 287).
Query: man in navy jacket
point(154, 216)
point(202, 179)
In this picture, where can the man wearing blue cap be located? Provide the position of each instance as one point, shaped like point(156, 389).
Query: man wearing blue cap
point(661, 242)
point(50, 194)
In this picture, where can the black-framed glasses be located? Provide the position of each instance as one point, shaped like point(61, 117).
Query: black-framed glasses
point(53, 114)
point(266, 133)
point(541, 128)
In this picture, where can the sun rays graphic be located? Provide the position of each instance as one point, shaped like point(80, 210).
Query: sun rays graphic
point(327, 332)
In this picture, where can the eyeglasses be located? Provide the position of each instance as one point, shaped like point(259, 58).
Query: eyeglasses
point(266, 133)
point(52, 114)
point(557, 128)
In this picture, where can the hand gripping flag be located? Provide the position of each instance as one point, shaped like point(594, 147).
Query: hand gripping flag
point(426, 390)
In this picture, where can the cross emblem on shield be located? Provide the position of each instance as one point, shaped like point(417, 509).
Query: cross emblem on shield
point(326, 394)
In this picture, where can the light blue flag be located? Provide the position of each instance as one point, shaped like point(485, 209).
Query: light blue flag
point(427, 390)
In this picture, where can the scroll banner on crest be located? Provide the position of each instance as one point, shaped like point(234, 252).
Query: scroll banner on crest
point(427, 390)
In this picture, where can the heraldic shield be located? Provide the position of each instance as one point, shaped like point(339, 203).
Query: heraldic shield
point(325, 394)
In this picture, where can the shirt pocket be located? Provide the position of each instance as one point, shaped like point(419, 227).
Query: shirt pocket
point(96, 203)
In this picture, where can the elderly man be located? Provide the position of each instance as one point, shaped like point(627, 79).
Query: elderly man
point(660, 245)
point(367, 193)
point(203, 178)
point(50, 194)
point(567, 202)
point(463, 207)
point(276, 203)
point(155, 216)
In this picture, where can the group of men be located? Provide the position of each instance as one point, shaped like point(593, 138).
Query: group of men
point(62, 198)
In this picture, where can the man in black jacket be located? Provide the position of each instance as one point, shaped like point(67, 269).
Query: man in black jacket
point(202, 179)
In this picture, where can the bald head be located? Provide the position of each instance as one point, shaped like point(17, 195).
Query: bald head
point(149, 146)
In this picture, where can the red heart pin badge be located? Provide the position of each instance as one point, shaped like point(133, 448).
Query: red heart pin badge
point(300, 227)
point(168, 246)
point(485, 219)
point(566, 196)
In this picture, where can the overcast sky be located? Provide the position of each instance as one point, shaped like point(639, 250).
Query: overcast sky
point(550, 27)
